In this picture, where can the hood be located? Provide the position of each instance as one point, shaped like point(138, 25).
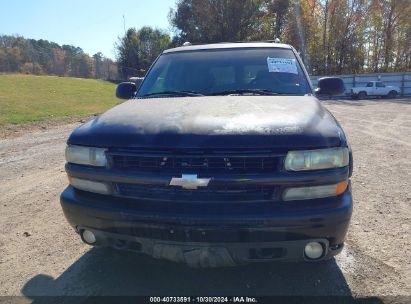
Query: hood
point(213, 122)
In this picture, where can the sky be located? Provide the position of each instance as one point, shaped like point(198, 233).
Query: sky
point(90, 24)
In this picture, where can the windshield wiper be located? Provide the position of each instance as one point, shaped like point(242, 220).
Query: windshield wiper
point(174, 93)
point(246, 91)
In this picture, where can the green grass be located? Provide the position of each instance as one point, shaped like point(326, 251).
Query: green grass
point(27, 98)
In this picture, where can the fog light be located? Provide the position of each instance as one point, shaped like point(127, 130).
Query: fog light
point(88, 185)
point(313, 250)
point(312, 192)
point(89, 237)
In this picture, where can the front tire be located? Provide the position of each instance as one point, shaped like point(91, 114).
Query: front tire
point(392, 94)
point(362, 95)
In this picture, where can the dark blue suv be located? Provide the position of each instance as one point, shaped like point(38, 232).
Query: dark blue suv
point(223, 156)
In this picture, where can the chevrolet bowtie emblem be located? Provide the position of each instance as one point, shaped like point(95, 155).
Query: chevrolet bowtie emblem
point(189, 181)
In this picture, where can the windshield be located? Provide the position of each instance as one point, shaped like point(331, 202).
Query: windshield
point(262, 71)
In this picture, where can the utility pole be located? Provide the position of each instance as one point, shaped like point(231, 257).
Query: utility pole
point(301, 35)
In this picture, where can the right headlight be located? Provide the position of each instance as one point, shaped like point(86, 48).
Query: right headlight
point(317, 159)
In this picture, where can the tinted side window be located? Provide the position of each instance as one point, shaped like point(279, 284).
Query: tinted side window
point(380, 85)
point(369, 85)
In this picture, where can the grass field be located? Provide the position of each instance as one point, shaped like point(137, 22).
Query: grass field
point(27, 98)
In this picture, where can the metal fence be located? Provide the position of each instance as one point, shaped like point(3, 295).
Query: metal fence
point(401, 80)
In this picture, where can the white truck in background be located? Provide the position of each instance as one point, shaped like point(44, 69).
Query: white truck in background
point(374, 89)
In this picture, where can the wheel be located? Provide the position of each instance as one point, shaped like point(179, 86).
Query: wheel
point(392, 94)
point(362, 95)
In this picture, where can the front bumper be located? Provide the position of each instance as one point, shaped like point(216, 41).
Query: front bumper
point(201, 236)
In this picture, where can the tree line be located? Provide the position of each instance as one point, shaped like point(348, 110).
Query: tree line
point(332, 37)
point(42, 57)
point(137, 50)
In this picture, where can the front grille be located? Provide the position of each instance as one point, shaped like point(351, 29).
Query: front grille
point(195, 162)
point(212, 193)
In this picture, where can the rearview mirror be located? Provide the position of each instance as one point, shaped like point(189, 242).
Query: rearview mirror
point(126, 90)
point(329, 86)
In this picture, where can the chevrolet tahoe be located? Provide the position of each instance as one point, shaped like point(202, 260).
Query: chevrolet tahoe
point(223, 156)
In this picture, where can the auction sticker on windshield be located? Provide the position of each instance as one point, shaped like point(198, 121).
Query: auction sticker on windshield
point(282, 65)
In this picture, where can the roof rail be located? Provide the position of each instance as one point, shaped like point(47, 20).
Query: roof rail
point(276, 40)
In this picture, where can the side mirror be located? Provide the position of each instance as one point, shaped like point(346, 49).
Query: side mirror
point(126, 90)
point(328, 86)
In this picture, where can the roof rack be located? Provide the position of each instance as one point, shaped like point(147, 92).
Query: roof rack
point(276, 40)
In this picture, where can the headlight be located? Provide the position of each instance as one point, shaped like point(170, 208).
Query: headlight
point(303, 193)
point(91, 186)
point(86, 156)
point(317, 159)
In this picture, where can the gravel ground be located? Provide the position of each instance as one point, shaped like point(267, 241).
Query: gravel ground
point(41, 255)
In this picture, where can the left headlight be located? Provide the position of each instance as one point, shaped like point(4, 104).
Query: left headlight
point(86, 155)
point(317, 159)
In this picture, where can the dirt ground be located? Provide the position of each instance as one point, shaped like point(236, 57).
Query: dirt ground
point(41, 255)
